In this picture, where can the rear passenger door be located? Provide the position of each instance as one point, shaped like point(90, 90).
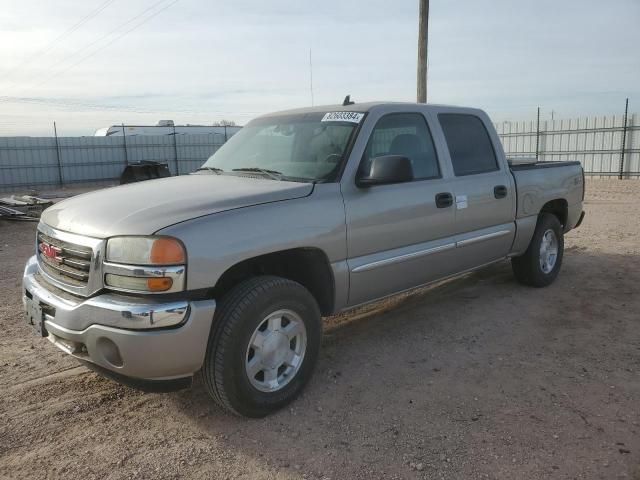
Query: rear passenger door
point(483, 189)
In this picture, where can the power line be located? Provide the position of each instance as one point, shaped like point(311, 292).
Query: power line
point(135, 27)
point(49, 46)
point(106, 35)
point(110, 33)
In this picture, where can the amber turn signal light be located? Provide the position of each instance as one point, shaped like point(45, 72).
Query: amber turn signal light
point(159, 284)
point(167, 251)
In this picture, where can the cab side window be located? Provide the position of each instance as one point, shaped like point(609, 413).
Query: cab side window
point(469, 144)
point(404, 134)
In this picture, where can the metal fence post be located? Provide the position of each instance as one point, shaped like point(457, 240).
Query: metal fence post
point(538, 135)
point(624, 139)
point(175, 150)
point(55, 132)
point(124, 138)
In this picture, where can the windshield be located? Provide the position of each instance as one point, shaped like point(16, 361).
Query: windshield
point(303, 147)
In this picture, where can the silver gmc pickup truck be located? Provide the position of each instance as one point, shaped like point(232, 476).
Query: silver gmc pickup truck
point(302, 214)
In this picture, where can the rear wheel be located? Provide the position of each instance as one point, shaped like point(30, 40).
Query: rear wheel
point(540, 264)
point(263, 346)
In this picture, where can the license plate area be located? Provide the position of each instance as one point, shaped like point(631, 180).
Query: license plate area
point(35, 315)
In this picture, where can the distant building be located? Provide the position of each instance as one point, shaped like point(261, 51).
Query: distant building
point(166, 127)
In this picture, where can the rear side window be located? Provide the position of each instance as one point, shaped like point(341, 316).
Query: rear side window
point(469, 144)
point(404, 134)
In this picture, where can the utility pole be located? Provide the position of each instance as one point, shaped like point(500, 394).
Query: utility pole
point(175, 150)
point(423, 36)
point(624, 139)
point(55, 132)
point(124, 143)
point(538, 135)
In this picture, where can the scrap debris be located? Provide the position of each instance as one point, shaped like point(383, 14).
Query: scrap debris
point(23, 207)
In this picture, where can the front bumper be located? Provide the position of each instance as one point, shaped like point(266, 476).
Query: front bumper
point(137, 337)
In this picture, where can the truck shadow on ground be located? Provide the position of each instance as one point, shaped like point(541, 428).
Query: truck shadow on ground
point(469, 368)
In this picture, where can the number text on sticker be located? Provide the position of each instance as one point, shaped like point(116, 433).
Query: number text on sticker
point(354, 117)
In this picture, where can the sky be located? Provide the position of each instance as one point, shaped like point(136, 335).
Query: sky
point(95, 63)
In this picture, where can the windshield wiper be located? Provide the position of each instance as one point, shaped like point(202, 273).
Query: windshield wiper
point(210, 169)
point(273, 174)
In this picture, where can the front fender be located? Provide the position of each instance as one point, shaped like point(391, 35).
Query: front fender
point(217, 242)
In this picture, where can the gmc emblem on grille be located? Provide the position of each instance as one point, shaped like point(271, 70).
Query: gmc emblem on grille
point(51, 251)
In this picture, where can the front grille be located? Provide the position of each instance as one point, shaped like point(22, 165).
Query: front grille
point(65, 262)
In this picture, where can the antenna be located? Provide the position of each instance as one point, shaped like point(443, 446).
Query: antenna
point(311, 77)
point(347, 101)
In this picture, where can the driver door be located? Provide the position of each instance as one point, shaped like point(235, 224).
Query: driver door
point(397, 237)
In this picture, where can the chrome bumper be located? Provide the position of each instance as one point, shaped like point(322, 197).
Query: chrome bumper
point(134, 337)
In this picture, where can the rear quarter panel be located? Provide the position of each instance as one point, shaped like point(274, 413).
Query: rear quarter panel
point(537, 186)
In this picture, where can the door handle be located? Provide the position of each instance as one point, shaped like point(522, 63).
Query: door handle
point(500, 191)
point(444, 200)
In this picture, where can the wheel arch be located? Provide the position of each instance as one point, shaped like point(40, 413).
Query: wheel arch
point(558, 207)
point(308, 266)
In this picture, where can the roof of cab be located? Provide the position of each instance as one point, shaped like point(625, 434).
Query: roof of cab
point(354, 107)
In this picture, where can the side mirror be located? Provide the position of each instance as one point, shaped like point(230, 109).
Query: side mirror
point(387, 169)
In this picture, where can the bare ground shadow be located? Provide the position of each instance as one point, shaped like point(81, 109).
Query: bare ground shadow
point(446, 374)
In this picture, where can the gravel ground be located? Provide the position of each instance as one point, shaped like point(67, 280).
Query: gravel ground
point(476, 378)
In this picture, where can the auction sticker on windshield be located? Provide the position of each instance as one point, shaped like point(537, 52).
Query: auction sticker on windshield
point(353, 117)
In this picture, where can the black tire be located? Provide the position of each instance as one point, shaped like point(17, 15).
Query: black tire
point(527, 268)
point(239, 313)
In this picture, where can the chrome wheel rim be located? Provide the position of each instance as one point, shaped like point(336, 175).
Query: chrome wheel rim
point(548, 251)
point(276, 351)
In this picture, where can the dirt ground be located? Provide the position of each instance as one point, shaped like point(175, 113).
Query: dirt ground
point(477, 378)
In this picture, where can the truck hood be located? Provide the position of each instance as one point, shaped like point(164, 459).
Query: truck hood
point(146, 207)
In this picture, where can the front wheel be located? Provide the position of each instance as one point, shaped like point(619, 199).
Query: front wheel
point(540, 264)
point(263, 346)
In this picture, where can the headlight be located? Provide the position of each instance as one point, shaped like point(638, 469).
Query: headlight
point(145, 264)
point(146, 251)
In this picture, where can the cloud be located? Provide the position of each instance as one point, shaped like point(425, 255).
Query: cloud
point(202, 61)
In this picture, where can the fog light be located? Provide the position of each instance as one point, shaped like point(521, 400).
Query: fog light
point(109, 351)
point(142, 284)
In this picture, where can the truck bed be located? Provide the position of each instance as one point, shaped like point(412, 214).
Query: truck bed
point(536, 165)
